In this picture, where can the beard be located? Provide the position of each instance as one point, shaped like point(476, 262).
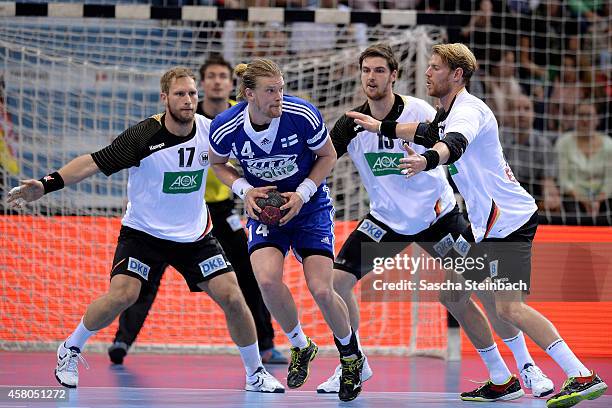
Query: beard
point(180, 119)
point(268, 111)
point(378, 94)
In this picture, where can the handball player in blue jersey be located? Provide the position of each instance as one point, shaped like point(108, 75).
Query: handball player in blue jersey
point(282, 144)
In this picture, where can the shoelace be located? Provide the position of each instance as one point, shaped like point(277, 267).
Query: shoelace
point(295, 356)
point(568, 382)
point(536, 371)
point(484, 383)
point(73, 361)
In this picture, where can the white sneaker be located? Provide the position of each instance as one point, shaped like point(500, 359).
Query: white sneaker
point(535, 379)
point(262, 381)
point(332, 385)
point(67, 372)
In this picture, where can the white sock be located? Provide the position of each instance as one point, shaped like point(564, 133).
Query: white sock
point(519, 350)
point(567, 360)
point(498, 371)
point(250, 358)
point(79, 336)
point(297, 337)
point(345, 340)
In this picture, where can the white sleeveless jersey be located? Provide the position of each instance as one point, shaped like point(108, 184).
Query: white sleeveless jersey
point(496, 203)
point(408, 206)
point(167, 178)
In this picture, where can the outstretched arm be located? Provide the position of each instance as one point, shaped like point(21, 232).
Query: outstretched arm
point(73, 172)
point(423, 133)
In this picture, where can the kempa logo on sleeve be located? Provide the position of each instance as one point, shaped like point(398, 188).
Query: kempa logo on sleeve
point(140, 268)
point(383, 163)
point(372, 230)
point(212, 265)
point(182, 182)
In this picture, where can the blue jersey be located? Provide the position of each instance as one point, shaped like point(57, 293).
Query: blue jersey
point(281, 155)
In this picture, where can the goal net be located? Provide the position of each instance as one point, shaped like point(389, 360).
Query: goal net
point(69, 86)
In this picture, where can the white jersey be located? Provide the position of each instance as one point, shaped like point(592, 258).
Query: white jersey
point(496, 203)
point(408, 206)
point(167, 178)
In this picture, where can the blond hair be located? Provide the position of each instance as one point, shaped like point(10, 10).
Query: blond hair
point(248, 74)
point(457, 55)
point(174, 73)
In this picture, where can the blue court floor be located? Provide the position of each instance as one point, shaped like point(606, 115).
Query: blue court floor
point(203, 381)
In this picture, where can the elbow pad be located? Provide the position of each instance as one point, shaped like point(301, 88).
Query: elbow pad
point(456, 143)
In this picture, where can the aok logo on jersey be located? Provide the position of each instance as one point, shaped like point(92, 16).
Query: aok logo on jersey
point(182, 182)
point(274, 168)
point(384, 163)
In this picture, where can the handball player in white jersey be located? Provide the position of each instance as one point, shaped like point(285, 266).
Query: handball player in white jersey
point(502, 214)
point(420, 210)
point(166, 223)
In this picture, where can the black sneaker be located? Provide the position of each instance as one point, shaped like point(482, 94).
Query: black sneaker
point(299, 366)
point(117, 351)
point(576, 389)
point(490, 392)
point(350, 379)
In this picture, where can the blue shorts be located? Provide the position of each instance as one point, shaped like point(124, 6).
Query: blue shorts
point(307, 234)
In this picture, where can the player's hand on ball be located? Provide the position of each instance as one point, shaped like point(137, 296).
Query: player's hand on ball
point(251, 197)
point(367, 122)
point(413, 164)
point(28, 191)
point(293, 205)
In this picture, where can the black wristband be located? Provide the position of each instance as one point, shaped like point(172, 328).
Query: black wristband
point(422, 129)
point(52, 182)
point(387, 128)
point(432, 157)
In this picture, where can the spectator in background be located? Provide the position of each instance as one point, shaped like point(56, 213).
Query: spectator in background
point(501, 85)
point(585, 170)
point(530, 154)
point(587, 11)
point(567, 89)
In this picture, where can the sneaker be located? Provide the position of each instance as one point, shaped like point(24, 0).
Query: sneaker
point(576, 389)
point(67, 372)
point(350, 379)
point(332, 384)
point(262, 381)
point(535, 380)
point(299, 366)
point(490, 392)
point(273, 356)
point(117, 351)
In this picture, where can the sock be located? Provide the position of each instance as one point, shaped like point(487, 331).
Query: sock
point(519, 350)
point(567, 360)
point(297, 337)
point(498, 371)
point(345, 340)
point(250, 358)
point(79, 336)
